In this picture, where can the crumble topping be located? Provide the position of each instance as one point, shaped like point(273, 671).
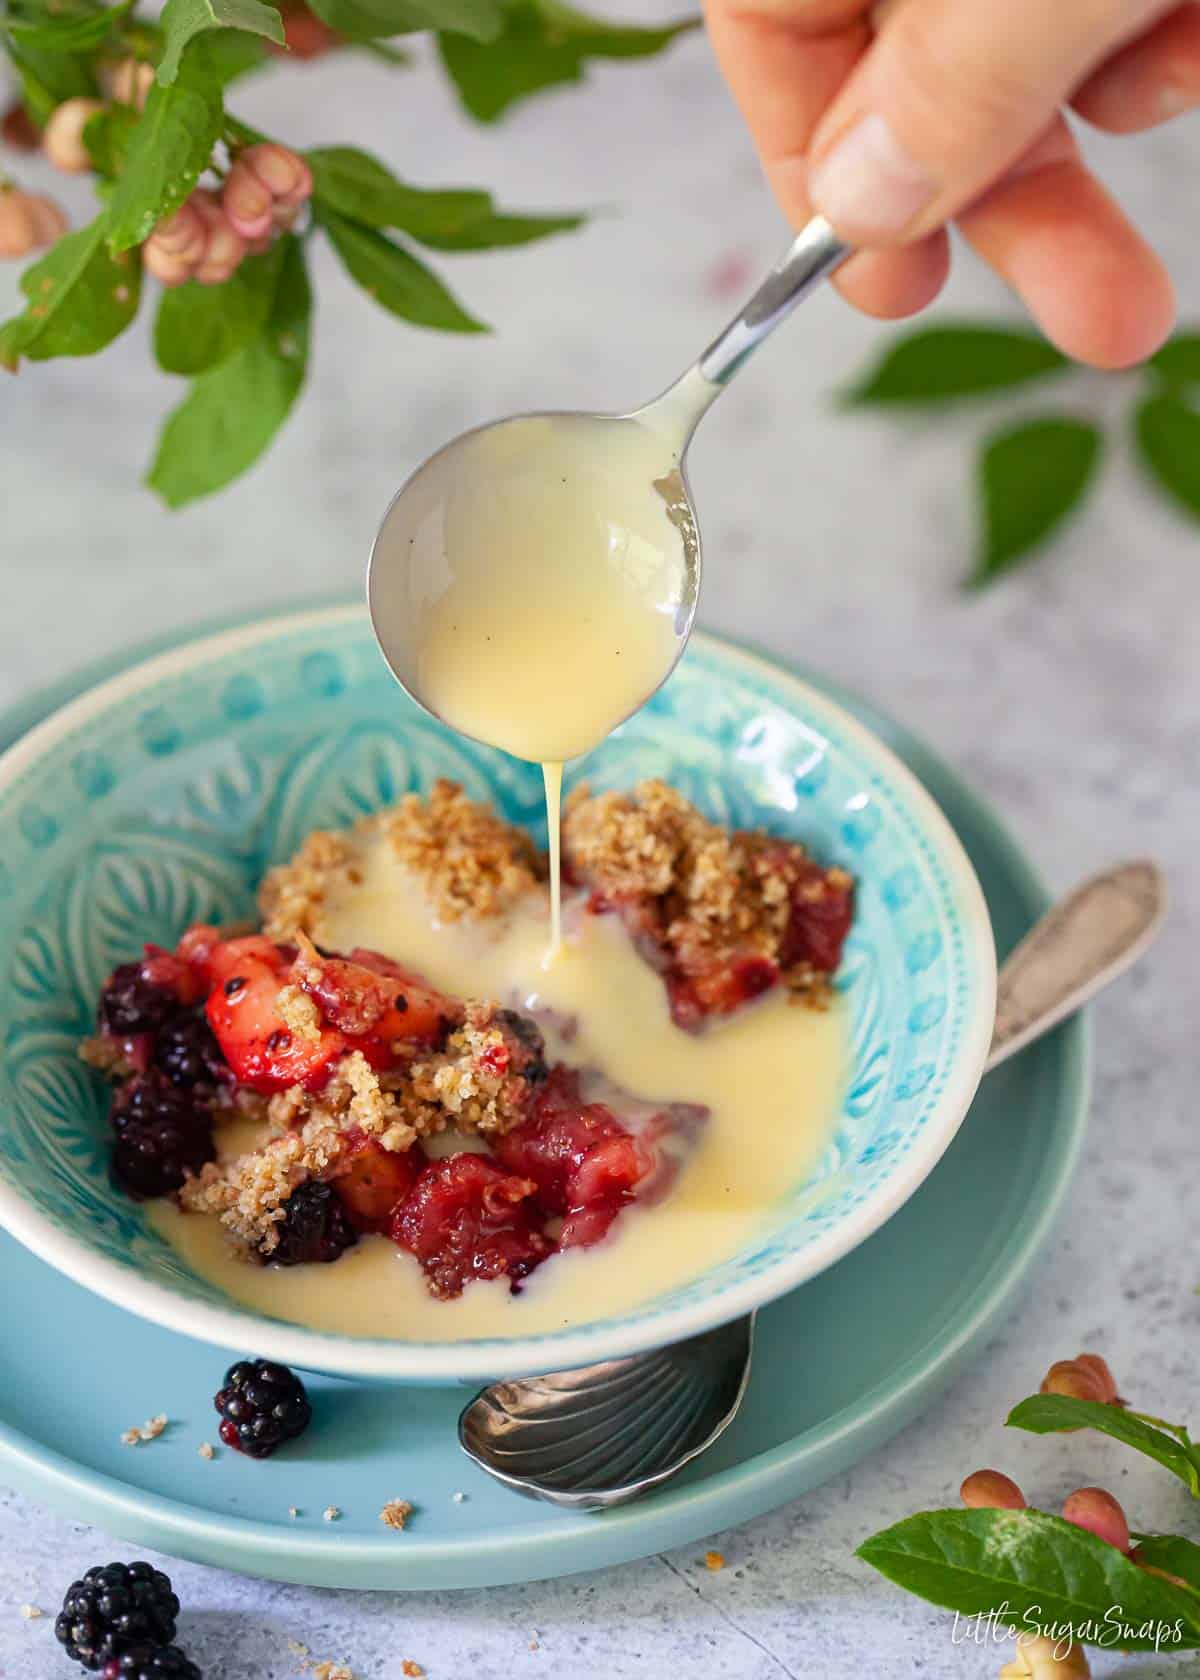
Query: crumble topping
point(395, 1514)
point(469, 861)
point(206, 1450)
point(480, 1082)
point(701, 893)
point(31, 1612)
point(300, 1014)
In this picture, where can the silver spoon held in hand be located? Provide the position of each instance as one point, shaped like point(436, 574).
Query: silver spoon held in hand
point(602, 1435)
point(556, 554)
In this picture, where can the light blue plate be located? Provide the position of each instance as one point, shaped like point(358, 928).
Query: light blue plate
point(842, 1363)
point(159, 799)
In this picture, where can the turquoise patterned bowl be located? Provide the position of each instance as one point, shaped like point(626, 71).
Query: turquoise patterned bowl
point(158, 798)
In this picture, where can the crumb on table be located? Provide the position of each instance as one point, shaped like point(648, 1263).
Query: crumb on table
point(714, 1561)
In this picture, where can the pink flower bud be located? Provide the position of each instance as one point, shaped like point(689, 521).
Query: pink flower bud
point(62, 137)
point(17, 232)
point(49, 219)
point(129, 83)
point(247, 202)
point(184, 235)
point(1077, 1382)
point(991, 1490)
point(1097, 1511)
point(167, 268)
point(225, 246)
point(285, 174)
point(1099, 1369)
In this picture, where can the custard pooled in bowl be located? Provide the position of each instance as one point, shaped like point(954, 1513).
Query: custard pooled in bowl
point(391, 1076)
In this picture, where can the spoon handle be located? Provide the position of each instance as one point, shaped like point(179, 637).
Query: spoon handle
point(815, 252)
point(1085, 941)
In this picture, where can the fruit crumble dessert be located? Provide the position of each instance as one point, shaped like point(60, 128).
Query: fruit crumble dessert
point(312, 1092)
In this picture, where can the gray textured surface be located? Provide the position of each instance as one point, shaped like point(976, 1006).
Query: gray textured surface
point(1069, 695)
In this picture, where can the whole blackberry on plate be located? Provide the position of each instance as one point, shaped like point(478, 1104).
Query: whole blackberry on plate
point(262, 1405)
point(188, 1053)
point(315, 1226)
point(115, 1608)
point(162, 1134)
point(152, 1662)
point(131, 1004)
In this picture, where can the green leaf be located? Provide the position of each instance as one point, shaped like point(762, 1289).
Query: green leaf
point(1179, 359)
point(543, 44)
point(1037, 1570)
point(231, 54)
point(354, 184)
point(72, 30)
point(939, 364)
point(496, 230)
point(395, 278)
point(1168, 439)
point(80, 296)
point(1172, 1553)
point(1046, 1414)
point(199, 327)
point(107, 136)
point(168, 150)
point(363, 20)
point(47, 78)
point(1031, 477)
point(232, 412)
point(182, 20)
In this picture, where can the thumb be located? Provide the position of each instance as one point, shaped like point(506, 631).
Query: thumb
point(949, 95)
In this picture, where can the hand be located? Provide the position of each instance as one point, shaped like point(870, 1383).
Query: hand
point(895, 119)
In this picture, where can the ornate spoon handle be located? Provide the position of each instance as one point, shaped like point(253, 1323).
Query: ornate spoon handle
point(1077, 948)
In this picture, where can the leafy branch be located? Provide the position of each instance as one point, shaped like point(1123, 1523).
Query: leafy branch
point(221, 216)
point(1033, 475)
point(1064, 1581)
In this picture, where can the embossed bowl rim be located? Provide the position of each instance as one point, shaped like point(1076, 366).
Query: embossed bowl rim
point(239, 1329)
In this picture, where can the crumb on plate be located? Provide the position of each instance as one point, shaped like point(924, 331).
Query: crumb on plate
point(206, 1450)
point(395, 1514)
point(331, 1513)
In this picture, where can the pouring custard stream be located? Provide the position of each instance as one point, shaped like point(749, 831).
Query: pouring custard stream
point(537, 606)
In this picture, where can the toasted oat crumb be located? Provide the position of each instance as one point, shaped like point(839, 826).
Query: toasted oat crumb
point(458, 1496)
point(206, 1450)
point(333, 1671)
point(395, 1514)
point(714, 1561)
point(331, 1513)
point(293, 1511)
point(131, 1437)
point(153, 1427)
point(469, 861)
point(702, 892)
point(299, 1013)
point(31, 1612)
point(411, 1670)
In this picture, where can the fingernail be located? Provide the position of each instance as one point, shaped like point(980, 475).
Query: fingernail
point(869, 186)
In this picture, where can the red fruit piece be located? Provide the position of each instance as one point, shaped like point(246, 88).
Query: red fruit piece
point(363, 1003)
point(243, 1012)
point(822, 909)
point(375, 1181)
point(717, 990)
point(467, 1218)
point(585, 1164)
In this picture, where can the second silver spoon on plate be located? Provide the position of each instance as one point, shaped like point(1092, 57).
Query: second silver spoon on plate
point(602, 1435)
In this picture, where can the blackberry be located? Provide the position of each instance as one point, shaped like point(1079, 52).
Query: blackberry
point(161, 1136)
point(131, 1004)
point(188, 1053)
point(315, 1226)
point(115, 1608)
point(152, 1662)
point(262, 1405)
